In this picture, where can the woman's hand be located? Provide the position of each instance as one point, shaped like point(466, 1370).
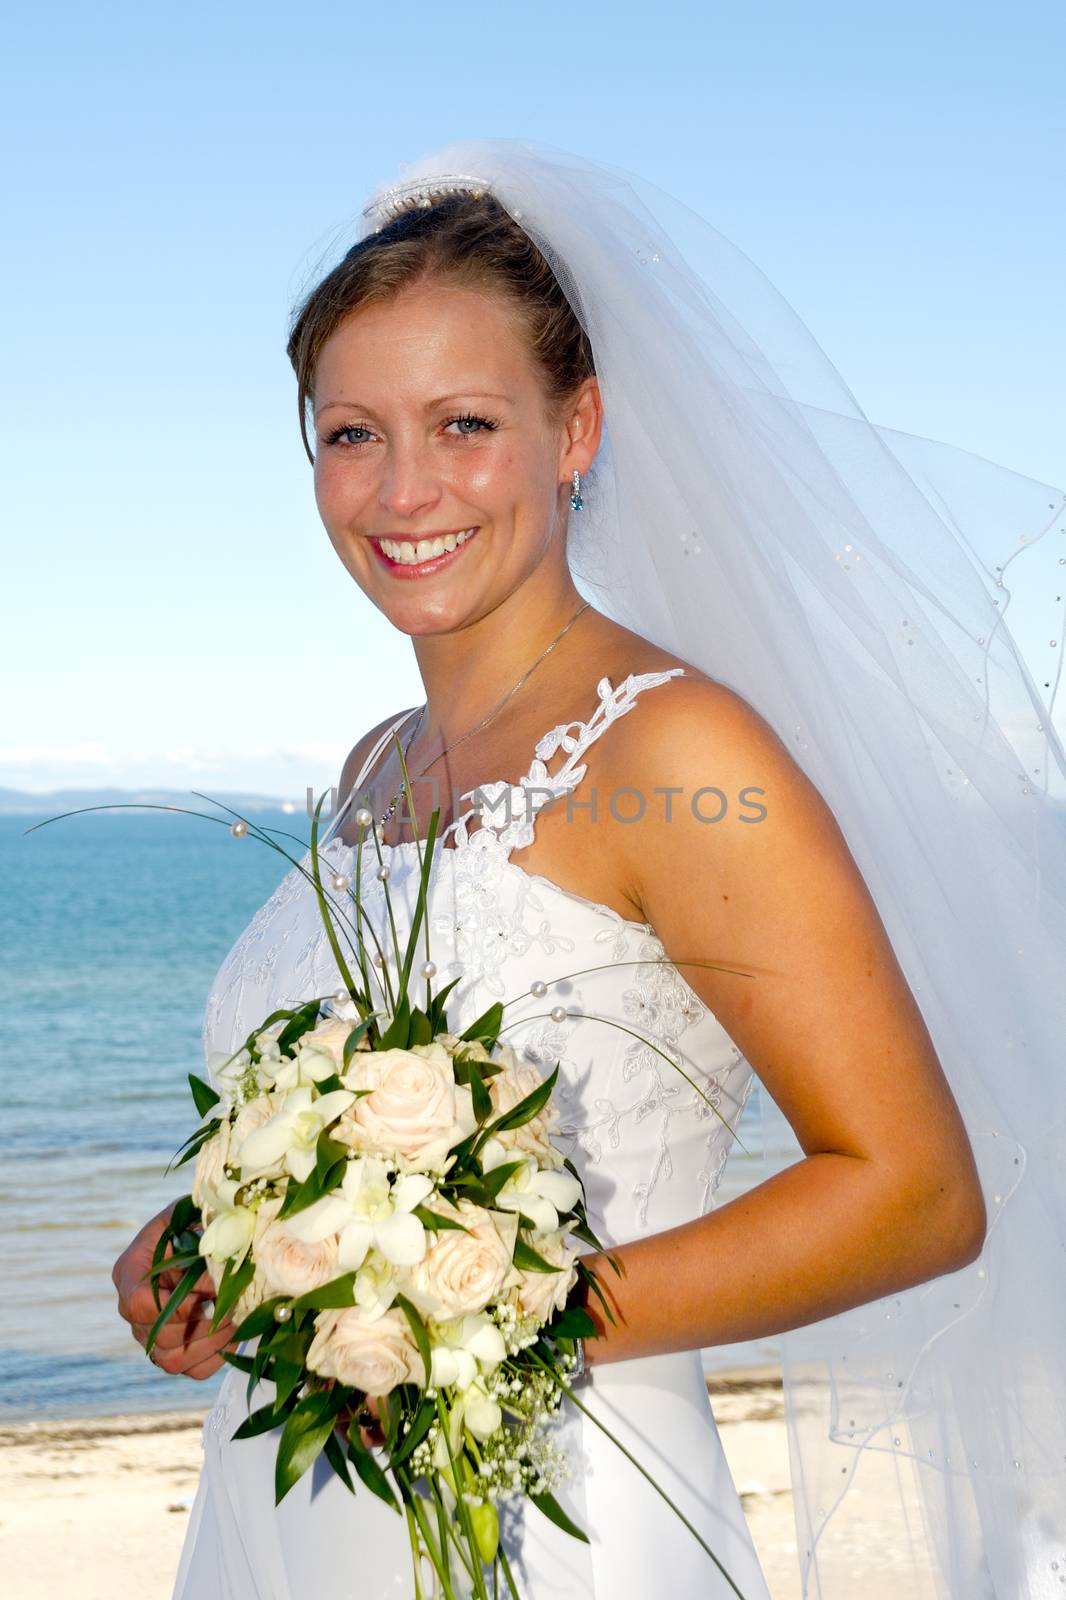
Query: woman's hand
point(371, 1431)
point(185, 1345)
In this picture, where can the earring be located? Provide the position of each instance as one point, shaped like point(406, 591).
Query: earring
point(576, 502)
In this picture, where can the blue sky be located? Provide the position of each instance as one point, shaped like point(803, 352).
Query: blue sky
point(175, 614)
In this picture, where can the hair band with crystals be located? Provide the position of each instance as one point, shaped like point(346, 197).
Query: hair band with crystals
point(390, 202)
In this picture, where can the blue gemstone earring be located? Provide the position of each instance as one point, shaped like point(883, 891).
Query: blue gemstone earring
point(576, 502)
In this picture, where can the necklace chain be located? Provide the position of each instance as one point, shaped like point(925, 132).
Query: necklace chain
point(390, 809)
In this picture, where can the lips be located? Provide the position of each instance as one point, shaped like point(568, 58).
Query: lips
point(421, 568)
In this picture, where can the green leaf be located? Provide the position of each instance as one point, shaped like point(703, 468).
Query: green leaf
point(437, 1014)
point(527, 1259)
point(335, 1456)
point(265, 1420)
point(421, 1031)
point(234, 1282)
point(479, 1094)
point(593, 1283)
point(302, 1440)
point(304, 1018)
point(328, 1152)
point(287, 1376)
point(555, 1513)
point(396, 1034)
point(528, 1107)
point(369, 1470)
point(332, 1296)
point(418, 1328)
point(173, 1301)
point(436, 1221)
point(204, 1097)
point(327, 1173)
point(261, 1320)
point(243, 1363)
point(174, 1263)
point(185, 1215)
point(573, 1322)
point(582, 1231)
point(417, 1431)
point(493, 1181)
point(191, 1147)
point(351, 1044)
point(487, 1026)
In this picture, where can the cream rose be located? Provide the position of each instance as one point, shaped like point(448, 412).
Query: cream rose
point(533, 1138)
point(372, 1355)
point(463, 1272)
point(542, 1294)
point(211, 1159)
point(329, 1038)
point(413, 1110)
point(292, 1266)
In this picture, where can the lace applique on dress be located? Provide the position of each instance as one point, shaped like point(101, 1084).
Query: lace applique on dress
point(632, 1018)
point(509, 810)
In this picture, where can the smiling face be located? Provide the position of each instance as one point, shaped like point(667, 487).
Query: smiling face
point(439, 475)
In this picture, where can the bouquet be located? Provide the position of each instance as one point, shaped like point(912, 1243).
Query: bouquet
point(382, 1210)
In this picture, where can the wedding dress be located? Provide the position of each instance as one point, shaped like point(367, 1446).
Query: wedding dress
point(650, 1150)
point(893, 607)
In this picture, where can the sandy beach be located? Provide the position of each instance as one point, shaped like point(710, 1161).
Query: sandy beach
point(98, 1506)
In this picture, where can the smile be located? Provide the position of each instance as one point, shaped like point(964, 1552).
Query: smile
point(417, 556)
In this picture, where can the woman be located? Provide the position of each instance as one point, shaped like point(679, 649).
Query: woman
point(608, 800)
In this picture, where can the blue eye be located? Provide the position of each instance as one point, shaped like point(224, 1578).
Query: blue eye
point(481, 422)
point(340, 433)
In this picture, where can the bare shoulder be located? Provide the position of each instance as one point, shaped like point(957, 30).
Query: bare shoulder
point(720, 789)
point(353, 761)
point(697, 728)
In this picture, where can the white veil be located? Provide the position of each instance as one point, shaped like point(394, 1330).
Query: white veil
point(868, 592)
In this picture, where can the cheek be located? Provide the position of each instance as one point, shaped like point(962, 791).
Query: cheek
point(338, 488)
point(497, 478)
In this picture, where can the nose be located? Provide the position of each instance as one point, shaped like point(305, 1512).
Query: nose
point(409, 484)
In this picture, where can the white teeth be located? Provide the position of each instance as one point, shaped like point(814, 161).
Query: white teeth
point(409, 552)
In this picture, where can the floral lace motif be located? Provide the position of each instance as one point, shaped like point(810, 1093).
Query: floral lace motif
point(671, 1089)
point(517, 804)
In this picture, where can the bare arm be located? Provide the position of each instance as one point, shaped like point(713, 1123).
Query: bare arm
point(887, 1194)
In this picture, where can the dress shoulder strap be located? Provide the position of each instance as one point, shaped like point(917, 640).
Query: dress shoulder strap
point(612, 704)
point(368, 765)
point(510, 810)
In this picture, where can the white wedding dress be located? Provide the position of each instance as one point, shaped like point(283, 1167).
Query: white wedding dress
point(650, 1151)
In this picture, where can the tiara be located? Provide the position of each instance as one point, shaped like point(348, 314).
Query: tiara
point(400, 197)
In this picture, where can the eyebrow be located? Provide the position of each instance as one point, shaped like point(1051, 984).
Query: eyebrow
point(431, 405)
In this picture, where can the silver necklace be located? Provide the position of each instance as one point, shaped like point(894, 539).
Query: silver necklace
point(390, 809)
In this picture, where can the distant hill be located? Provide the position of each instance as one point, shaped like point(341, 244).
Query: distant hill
point(23, 802)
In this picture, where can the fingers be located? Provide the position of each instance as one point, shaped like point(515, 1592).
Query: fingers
point(370, 1431)
point(197, 1337)
point(140, 1306)
point(198, 1357)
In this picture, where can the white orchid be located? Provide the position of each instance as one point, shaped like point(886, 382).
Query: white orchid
point(230, 1231)
point(468, 1345)
point(292, 1133)
point(541, 1195)
point(369, 1209)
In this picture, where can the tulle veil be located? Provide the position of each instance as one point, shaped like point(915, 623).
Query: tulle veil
point(893, 606)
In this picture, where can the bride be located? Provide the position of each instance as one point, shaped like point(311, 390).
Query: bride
point(649, 589)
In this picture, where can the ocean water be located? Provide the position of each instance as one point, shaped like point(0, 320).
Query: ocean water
point(112, 926)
